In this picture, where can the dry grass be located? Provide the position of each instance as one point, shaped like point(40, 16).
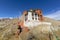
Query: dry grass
point(34, 34)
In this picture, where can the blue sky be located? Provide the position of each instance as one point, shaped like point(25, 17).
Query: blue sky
point(13, 8)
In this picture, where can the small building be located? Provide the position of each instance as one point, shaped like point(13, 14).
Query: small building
point(33, 15)
point(33, 18)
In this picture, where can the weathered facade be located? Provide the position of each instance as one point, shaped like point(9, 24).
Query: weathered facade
point(32, 18)
point(33, 15)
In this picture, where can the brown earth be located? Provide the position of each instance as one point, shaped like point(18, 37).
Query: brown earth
point(10, 27)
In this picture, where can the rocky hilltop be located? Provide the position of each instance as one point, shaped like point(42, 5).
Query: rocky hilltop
point(9, 26)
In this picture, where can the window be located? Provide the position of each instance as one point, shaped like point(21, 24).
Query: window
point(35, 18)
point(35, 14)
point(26, 17)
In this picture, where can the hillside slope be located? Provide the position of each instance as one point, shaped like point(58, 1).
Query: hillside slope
point(10, 27)
point(54, 22)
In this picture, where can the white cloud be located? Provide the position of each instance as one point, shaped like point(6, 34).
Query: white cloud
point(54, 15)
